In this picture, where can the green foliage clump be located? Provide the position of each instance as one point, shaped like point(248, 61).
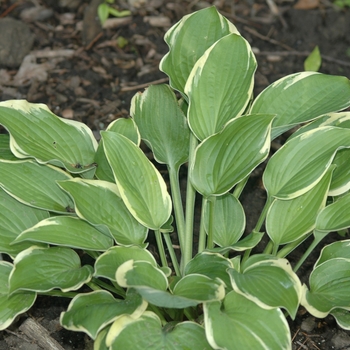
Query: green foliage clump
point(63, 193)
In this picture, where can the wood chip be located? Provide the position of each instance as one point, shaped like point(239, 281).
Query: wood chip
point(39, 334)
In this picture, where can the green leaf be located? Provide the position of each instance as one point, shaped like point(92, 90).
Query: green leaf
point(151, 283)
point(103, 12)
point(335, 216)
point(188, 39)
point(190, 290)
point(35, 185)
point(162, 124)
point(342, 317)
point(301, 97)
point(340, 180)
point(43, 269)
point(16, 217)
point(104, 308)
point(99, 203)
point(238, 323)
point(67, 231)
point(302, 161)
point(141, 273)
point(11, 305)
point(38, 133)
point(313, 61)
point(329, 287)
point(5, 151)
point(214, 99)
point(107, 263)
point(334, 250)
point(269, 282)
point(212, 265)
point(224, 159)
point(146, 332)
point(248, 242)
point(229, 218)
point(126, 127)
point(141, 186)
point(290, 220)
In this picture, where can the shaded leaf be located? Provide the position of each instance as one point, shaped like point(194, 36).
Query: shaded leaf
point(43, 269)
point(301, 97)
point(230, 325)
point(36, 132)
point(35, 185)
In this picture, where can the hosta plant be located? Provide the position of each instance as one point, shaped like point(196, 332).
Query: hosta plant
point(66, 198)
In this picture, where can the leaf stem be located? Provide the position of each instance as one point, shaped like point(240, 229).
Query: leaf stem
point(161, 248)
point(210, 241)
point(202, 233)
point(318, 238)
point(190, 202)
point(240, 187)
point(172, 254)
point(177, 201)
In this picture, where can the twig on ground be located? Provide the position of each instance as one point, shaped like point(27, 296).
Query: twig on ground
point(263, 37)
point(141, 86)
point(303, 54)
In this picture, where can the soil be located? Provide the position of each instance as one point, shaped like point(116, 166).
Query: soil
point(90, 74)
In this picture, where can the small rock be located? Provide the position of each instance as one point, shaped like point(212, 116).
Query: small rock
point(341, 340)
point(36, 13)
point(308, 324)
point(16, 40)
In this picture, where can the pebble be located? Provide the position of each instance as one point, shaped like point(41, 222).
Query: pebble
point(16, 41)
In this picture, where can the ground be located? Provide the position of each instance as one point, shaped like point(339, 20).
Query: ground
point(90, 74)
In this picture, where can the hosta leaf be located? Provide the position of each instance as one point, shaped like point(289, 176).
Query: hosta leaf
point(151, 283)
point(43, 269)
point(289, 220)
point(107, 263)
point(190, 290)
point(212, 265)
point(38, 133)
point(126, 127)
point(335, 216)
point(342, 317)
point(99, 203)
point(301, 97)
point(214, 99)
point(340, 249)
point(329, 288)
point(16, 217)
point(11, 305)
point(301, 162)
point(141, 187)
point(146, 332)
point(162, 124)
point(313, 61)
point(67, 231)
point(248, 242)
point(5, 151)
point(224, 159)
point(340, 180)
point(229, 218)
point(238, 323)
point(189, 39)
point(141, 273)
point(35, 185)
point(270, 283)
point(104, 308)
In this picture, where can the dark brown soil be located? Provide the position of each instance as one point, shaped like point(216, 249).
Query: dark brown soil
point(95, 80)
